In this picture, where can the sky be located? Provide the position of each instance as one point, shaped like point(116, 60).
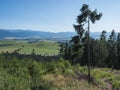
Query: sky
point(56, 15)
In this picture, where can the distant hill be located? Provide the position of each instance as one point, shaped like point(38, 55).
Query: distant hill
point(28, 34)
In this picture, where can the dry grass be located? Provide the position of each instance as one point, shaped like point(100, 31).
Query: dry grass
point(61, 82)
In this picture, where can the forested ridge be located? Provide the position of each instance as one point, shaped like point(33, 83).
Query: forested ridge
point(104, 51)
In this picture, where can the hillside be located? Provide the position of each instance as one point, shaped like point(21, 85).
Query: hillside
point(29, 74)
point(26, 47)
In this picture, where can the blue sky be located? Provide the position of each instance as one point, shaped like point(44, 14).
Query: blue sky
point(56, 15)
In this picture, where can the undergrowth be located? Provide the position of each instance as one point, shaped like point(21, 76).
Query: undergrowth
point(54, 75)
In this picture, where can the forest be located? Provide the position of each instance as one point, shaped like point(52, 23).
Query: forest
point(104, 52)
point(101, 52)
point(83, 63)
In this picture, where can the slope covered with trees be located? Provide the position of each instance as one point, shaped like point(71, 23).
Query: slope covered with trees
point(85, 50)
point(32, 72)
point(104, 51)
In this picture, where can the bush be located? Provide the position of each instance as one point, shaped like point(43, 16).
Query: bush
point(116, 84)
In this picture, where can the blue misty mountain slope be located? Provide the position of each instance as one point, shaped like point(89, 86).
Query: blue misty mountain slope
point(24, 34)
point(27, 34)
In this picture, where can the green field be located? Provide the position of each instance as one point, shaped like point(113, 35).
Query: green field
point(26, 47)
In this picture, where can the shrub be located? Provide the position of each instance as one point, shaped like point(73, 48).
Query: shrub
point(116, 84)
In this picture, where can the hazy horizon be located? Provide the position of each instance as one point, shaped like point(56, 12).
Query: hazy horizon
point(55, 32)
point(56, 16)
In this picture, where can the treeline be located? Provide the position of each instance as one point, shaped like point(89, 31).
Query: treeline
point(104, 52)
point(32, 56)
point(83, 49)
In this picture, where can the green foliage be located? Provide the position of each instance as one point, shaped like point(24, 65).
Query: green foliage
point(116, 84)
point(79, 69)
point(98, 75)
point(25, 74)
point(28, 74)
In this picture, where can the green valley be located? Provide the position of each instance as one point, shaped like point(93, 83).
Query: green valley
point(25, 47)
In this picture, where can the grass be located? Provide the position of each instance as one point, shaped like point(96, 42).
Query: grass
point(107, 78)
point(40, 47)
point(61, 82)
point(104, 78)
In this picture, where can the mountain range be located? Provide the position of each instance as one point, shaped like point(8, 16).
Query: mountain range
point(29, 34)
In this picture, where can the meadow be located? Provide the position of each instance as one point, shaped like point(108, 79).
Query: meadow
point(43, 47)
